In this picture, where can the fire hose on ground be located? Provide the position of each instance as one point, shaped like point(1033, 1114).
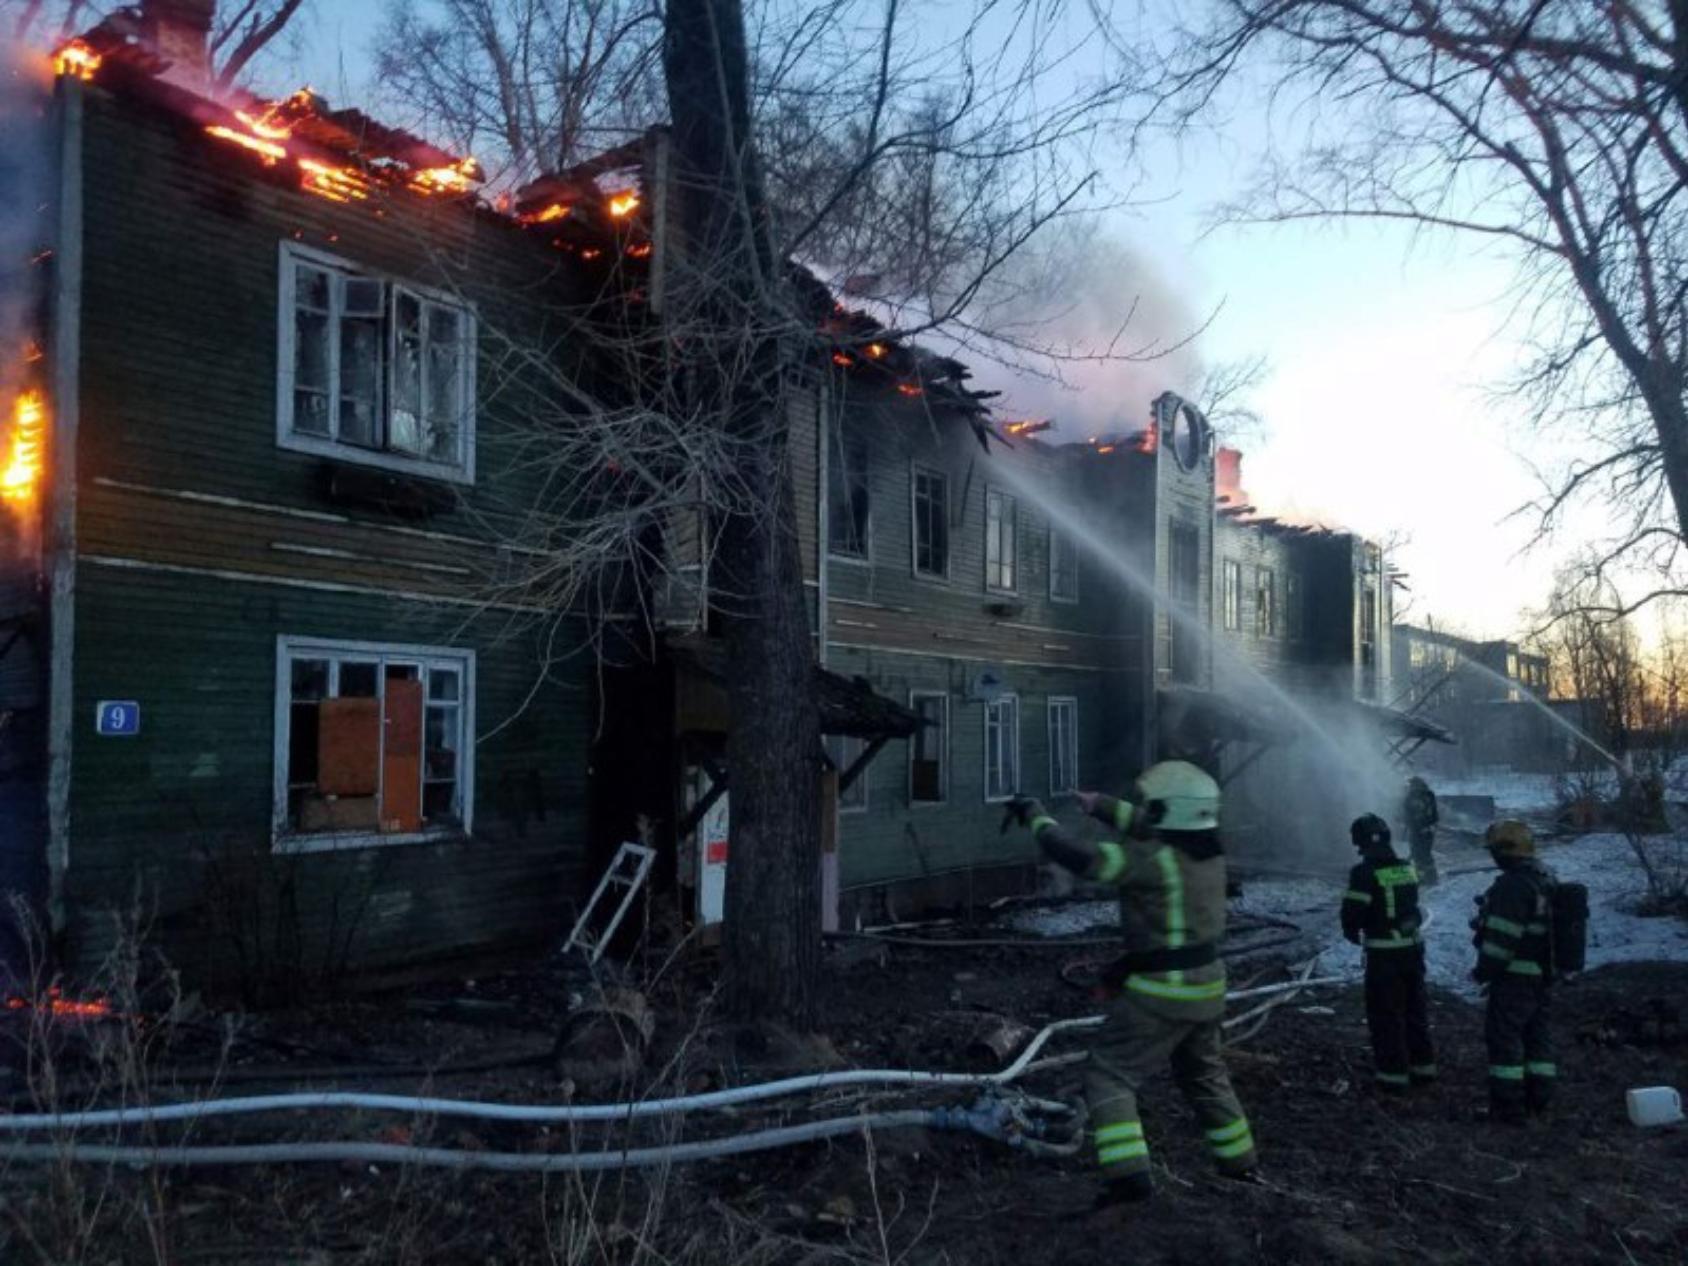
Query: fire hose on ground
point(990, 1116)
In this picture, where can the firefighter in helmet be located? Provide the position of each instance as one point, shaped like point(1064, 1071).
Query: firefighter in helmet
point(1167, 991)
point(1418, 806)
point(1380, 912)
point(1515, 960)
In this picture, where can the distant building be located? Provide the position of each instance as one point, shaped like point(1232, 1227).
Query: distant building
point(1492, 693)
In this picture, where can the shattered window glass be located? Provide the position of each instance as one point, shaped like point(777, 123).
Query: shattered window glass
point(377, 367)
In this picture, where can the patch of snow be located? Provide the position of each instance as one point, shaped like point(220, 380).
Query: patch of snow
point(1513, 793)
point(1069, 919)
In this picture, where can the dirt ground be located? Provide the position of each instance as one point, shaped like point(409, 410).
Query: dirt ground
point(1350, 1177)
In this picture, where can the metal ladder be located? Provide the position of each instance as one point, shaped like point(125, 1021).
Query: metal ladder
point(627, 872)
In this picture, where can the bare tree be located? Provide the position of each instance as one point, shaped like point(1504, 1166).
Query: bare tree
point(899, 169)
point(243, 28)
point(1556, 129)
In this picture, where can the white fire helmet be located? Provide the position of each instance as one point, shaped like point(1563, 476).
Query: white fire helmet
point(1177, 796)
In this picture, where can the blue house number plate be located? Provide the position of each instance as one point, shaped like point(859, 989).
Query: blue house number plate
point(117, 718)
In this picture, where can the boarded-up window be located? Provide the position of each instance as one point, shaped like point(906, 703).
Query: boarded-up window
point(928, 756)
point(372, 741)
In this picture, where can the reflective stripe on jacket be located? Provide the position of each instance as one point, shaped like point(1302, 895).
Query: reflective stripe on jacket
point(1380, 909)
point(1514, 932)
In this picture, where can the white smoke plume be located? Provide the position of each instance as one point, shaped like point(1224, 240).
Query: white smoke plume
point(1099, 333)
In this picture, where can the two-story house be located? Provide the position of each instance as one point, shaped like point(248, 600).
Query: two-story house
point(267, 690)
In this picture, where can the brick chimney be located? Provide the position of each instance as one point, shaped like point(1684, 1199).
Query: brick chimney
point(180, 32)
point(1228, 478)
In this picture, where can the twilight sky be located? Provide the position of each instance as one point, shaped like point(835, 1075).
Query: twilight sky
point(1381, 345)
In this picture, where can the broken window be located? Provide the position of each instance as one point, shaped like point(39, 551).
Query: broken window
point(928, 749)
point(1184, 544)
point(1265, 602)
point(1233, 595)
point(373, 368)
point(1063, 566)
point(845, 750)
point(1002, 747)
point(931, 523)
point(1001, 513)
point(1294, 613)
point(847, 503)
point(373, 741)
point(1063, 746)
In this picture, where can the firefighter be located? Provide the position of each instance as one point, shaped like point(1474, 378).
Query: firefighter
point(1166, 993)
point(1515, 960)
point(1380, 912)
point(1419, 808)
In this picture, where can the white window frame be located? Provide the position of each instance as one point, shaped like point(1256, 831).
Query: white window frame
point(990, 704)
point(290, 648)
point(462, 471)
point(916, 470)
point(842, 761)
point(1059, 539)
point(1231, 596)
point(1012, 521)
point(1059, 704)
point(943, 751)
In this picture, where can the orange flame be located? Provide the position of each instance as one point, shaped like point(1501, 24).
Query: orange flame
point(839, 358)
point(909, 389)
point(24, 460)
point(622, 205)
point(556, 211)
point(876, 350)
point(460, 177)
point(338, 184)
point(268, 150)
point(56, 1004)
point(77, 60)
point(1028, 426)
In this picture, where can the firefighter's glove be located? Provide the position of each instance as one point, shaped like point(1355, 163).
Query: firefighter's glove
point(1020, 811)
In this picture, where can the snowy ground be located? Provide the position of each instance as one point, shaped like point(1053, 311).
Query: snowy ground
point(1602, 862)
point(1513, 793)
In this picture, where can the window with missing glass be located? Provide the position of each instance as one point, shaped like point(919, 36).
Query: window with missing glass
point(1002, 747)
point(928, 749)
point(1063, 566)
point(931, 523)
point(1232, 594)
point(372, 741)
point(1001, 533)
point(1063, 746)
point(374, 371)
point(848, 507)
point(845, 750)
point(1265, 602)
point(1294, 607)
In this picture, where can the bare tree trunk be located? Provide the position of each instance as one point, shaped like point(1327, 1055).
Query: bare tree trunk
point(731, 325)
